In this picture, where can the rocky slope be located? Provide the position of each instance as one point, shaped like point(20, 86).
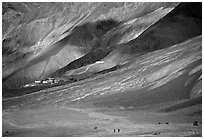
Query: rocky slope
point(33, 54)
point(40, 38)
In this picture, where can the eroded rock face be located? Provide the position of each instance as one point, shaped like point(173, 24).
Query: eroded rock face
point(51, 39)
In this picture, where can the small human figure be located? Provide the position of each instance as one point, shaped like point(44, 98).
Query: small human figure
point(118, 130)
point(114, 130)
point(195, 123)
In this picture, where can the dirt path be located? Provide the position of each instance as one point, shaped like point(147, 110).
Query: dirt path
point(64, 121)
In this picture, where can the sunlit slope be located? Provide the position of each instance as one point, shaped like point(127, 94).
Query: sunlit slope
point(40, 38)
point(166, 75)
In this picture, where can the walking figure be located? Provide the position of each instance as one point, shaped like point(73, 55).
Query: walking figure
point(195, 123)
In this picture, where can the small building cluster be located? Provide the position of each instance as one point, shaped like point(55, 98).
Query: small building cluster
point(38, 82)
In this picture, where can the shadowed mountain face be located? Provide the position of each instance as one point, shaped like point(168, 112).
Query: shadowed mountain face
point(124, 66)
point(38, 44)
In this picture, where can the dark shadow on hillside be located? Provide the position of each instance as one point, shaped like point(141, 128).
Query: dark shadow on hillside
point(182, 23)
point(81, 37)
